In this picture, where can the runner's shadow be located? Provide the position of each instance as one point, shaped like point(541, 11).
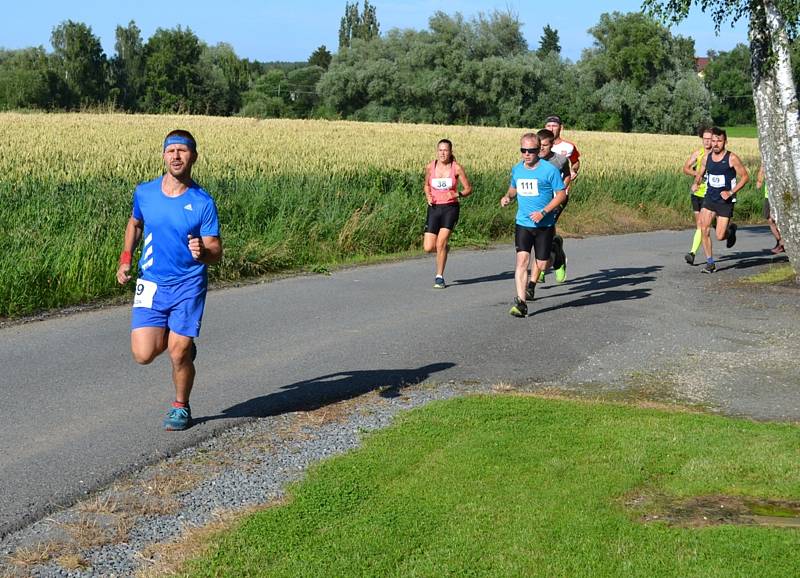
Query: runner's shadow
point(327, 389)
point(734, 255)
point(752, 259)
point(505, 276)
point(604, 286)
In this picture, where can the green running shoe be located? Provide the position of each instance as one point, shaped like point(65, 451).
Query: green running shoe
point(519, 308)
point(561, 272)
point(541, 277)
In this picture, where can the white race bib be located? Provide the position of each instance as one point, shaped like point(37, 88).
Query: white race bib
point(716, 180)
point(145, 291)
point(445, 184)
point(528, 187)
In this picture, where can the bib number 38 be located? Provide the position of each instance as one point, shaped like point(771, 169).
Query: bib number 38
point(145, 291)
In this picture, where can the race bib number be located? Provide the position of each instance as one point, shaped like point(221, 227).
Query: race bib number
point(445, 184)
point(145, 291)
point(716, 180)
point(528, 187)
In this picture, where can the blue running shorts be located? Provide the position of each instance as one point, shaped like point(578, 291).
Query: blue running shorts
point(179, 306)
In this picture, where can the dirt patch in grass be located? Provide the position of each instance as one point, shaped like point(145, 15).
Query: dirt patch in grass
point(704, 511)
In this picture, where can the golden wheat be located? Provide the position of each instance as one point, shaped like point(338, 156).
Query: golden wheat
point(73, 147)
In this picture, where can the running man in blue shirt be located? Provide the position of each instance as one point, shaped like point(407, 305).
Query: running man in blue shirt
point(178, 222)
point(539, 189)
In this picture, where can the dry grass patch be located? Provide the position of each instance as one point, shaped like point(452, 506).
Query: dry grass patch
point(100, 504)
point(27, 557)
point(333, 413)
point(72, 561)
point(91, 531)
point(170, 482)
point(503, 387)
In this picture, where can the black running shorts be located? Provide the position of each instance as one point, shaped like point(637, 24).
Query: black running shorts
point(442, 217)
point(697, 203)
point(721, 209)
point(540, 239)
point(765, 211)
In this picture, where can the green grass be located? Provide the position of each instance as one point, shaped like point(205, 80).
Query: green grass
point(61, 240)
point(521, 486)
point(776, 274)
point(744, 131)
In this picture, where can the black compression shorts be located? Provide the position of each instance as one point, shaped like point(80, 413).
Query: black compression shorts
point(697, 203)
point(540, 239)
point(442, 217)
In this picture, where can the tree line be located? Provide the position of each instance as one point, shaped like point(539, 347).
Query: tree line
point(636, 76)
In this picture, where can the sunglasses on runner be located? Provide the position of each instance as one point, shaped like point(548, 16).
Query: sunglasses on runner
point(529, 151)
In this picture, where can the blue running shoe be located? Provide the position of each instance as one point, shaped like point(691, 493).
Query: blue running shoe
point(709, 268)
point(438, 283)
point(178, 419)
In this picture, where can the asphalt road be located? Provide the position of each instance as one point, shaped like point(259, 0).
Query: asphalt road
point(76, 411)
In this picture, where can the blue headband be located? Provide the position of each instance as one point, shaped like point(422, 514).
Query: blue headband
point(177, 139)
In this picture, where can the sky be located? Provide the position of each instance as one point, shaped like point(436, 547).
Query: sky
point(268, 30)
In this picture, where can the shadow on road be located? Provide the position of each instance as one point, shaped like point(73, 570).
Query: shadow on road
point(505, 276)
point(603, 287)
point(315, 393)
point(747, 259)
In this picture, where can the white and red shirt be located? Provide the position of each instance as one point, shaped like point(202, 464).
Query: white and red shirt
point(567, 149)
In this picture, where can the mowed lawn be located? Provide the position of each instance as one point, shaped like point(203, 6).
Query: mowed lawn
point(510, 485)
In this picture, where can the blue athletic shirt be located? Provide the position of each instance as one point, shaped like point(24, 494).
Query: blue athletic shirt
point(168, 222)
point(535, 189)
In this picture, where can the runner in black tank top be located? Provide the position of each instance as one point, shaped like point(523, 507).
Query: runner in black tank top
point(725, 176)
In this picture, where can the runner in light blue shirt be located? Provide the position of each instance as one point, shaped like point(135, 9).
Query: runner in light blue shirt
point(539, 189)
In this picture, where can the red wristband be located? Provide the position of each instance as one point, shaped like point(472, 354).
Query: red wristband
point(125, 258)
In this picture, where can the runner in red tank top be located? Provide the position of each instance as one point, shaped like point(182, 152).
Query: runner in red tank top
point(442, 177)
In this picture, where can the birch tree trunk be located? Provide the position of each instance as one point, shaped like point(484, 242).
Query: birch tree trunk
point(778, 118)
